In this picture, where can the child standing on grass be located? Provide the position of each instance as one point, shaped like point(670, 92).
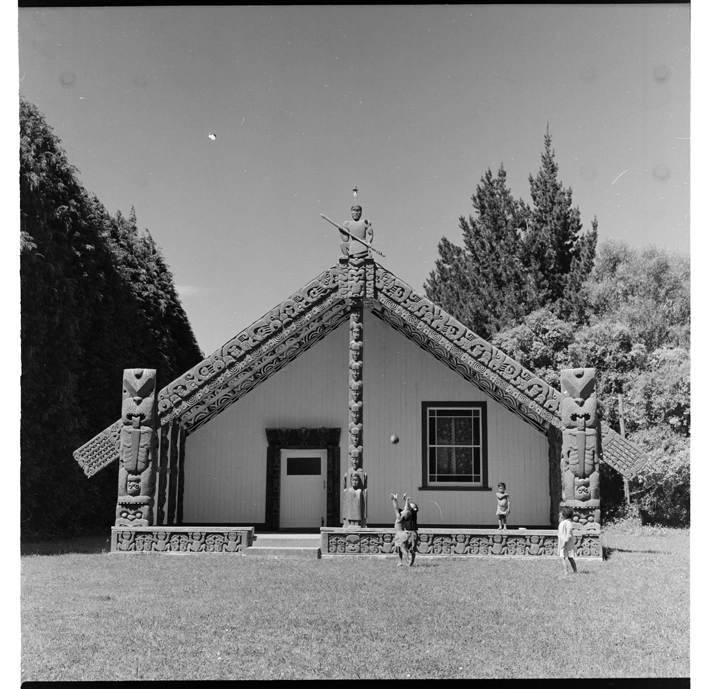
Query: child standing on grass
point(503, 506)
point(566, 540)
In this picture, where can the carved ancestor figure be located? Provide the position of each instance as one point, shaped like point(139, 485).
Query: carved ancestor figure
point(355, 497)
point(580, 461)
point(359, 228)
point(138, 442)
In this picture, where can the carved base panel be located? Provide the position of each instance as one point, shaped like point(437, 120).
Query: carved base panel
point(182, 539)
point(458, 542)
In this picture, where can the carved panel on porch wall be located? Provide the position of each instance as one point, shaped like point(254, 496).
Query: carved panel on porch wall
point(138, 445)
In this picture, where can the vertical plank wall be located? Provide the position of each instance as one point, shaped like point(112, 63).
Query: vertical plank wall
point(398, 377)
point(225, 461)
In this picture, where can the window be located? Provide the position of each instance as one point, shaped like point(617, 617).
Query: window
point(454, 445)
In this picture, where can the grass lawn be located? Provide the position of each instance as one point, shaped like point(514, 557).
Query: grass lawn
point(89, 615)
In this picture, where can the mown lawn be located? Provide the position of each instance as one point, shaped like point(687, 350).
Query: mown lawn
point(94, 616)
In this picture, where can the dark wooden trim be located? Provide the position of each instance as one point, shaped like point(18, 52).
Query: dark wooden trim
point(161, 477)
point(555, 448)
point(174, 433)
point(484, 445)
point(180, 490)
point(302, 439)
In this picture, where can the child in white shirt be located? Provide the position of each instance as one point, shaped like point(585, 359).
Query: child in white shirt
point(566, 540)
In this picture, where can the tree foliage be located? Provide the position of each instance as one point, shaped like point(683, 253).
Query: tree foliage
point(516, 258)
point(96, 297)
point(637, 337)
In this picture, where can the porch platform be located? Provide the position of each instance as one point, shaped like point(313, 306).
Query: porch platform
point(336, 542)
point(339, 542)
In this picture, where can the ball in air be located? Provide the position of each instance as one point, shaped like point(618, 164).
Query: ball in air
point(394, 439)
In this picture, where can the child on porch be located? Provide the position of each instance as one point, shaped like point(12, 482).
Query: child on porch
point(566, 540)
point(503, 506)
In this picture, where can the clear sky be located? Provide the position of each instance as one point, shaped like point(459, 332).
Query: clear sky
point(411, 104)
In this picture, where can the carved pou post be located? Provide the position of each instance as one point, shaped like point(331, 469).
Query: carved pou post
point(580, 461)
point(355, 482)
point(356, 246)
point(138, 443)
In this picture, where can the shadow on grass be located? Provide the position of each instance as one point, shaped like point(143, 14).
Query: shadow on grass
point(88, 545)
point(607, 552)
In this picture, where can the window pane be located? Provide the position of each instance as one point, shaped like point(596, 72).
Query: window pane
point(445, 431)
point(462, 431)
point(303, 466)
point(476, 439)
point(445, 460)
point(454, 438)
point(463, 460)
point(454, 412)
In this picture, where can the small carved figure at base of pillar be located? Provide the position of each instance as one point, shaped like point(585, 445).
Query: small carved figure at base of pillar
point(134, 511)
point(586, 515)
point(355, 498)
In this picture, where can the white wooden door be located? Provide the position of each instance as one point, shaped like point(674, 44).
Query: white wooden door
point(303, 489)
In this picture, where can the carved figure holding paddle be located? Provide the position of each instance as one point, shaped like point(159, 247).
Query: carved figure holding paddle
point(357, 229)
point(356, 235)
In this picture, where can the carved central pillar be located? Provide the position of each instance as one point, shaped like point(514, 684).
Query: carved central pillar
point(137, 449)
point(355, 482)
point(580, 460)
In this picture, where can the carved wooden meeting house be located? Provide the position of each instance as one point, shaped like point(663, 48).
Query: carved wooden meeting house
point(289, 427)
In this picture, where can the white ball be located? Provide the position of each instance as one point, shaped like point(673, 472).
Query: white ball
point(394, 439)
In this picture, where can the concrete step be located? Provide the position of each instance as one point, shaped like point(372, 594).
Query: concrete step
point(298, 540)
point(284, 552)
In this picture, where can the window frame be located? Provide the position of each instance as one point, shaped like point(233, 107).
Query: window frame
point(482, 407)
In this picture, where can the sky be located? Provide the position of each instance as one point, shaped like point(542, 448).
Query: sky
point(410, 104)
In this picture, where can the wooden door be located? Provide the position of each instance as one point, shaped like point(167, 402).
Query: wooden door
point(303, 489)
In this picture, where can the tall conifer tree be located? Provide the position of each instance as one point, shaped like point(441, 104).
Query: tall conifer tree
point(557, 255)
point(484, 284)
point(96, 298)
point(516, 258)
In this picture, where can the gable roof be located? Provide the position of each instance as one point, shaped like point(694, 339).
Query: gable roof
point(313, 312)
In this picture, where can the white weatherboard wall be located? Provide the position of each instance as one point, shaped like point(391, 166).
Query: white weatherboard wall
point(225, 467)
point(226, 459)
point(398, 377)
